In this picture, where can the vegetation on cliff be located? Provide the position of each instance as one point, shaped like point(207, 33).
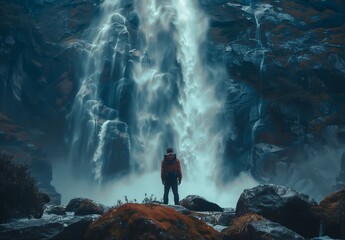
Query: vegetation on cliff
point(19, 194)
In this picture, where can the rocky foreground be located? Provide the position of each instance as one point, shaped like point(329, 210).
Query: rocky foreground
point(263, 212)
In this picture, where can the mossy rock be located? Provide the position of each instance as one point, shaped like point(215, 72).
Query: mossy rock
point(149, 221)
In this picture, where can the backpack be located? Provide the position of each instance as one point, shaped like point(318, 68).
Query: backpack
point(170, 162)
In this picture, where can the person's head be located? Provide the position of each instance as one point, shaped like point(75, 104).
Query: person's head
point(170, 150)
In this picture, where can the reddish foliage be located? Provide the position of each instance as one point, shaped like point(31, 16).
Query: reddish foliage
point(332, 212)
point(147, 221)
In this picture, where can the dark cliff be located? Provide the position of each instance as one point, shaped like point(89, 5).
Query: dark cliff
point(285, 62)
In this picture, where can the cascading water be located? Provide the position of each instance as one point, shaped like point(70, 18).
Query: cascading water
point(257, 11)
point(184, 104)
point(174, 102)
point(95, 113)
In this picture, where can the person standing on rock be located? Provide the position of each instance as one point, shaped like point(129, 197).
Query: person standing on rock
point(171, 175)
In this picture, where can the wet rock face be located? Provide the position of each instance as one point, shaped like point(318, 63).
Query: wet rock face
point(282, 205)
point(286, 62)
point(138, 221)
point(64, 19)
point(39, 62)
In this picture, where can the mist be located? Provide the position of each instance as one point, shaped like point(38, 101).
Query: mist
point(135, 186)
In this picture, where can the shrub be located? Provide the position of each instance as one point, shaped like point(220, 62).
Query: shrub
point(19, 196)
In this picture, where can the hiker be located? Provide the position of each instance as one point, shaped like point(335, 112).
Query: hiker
point(171, 174)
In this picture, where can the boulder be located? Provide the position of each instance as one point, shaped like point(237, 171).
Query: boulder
point(148, 221)
point(55, 209)
point(332, 213)
point(253, 226)
point(266, 229)
point(84, 206)
point(226, 217)
point(197, 203)
point(218, 220)
point(73, 204)
point(49, 227)
point(282, 205)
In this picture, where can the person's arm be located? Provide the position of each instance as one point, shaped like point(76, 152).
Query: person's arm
point(162, 172)
point(179, 172)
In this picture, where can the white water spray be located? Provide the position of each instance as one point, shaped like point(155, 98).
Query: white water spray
point(91, 111)
point(192, 121)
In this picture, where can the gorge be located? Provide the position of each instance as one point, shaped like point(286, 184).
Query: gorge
point(244, 91)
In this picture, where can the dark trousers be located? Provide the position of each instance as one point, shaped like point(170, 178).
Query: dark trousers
point(170, 181)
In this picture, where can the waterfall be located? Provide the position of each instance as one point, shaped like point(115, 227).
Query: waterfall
point(258, 10)
point(176, 102)
point(97, 101)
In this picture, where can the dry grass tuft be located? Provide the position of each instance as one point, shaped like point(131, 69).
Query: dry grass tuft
point(238, 229)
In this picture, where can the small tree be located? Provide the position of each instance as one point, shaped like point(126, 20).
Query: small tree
point(19, 196)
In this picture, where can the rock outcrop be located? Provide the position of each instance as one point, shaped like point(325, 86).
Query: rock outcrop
point(286, 64)
point(283, 205)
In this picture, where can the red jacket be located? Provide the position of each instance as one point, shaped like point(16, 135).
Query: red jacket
point(171, 168)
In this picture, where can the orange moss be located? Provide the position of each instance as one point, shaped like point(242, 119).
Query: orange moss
point(329, 206)
point(238, 227)
point(331, 211)
point(144, 221)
